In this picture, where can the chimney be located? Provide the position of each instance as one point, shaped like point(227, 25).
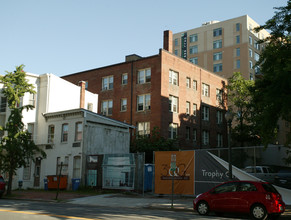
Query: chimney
point(82, 85)
point(168, 41)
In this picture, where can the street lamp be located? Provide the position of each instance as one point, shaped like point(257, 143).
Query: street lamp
point(229, 117)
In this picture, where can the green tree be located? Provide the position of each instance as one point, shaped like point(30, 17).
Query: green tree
point(239, 99)
point(154, 142)
point(16, 146)
point(272, 93)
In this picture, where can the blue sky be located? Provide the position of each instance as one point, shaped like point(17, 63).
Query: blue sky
point(68, 36)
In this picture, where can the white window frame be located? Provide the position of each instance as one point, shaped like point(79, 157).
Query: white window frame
point(173, 104)
point(143, 128)
point(143, 102)
point(124, 80)
point(250, 52)
point(205, 90)
point(173, 77)
point(205, 137)
point(188, 82)
point(107, 107)
point(250, 40)
point(188, 108)
point(144, 76)
point(78, 131)
point(205, 113)
point(32, 99)
point(173, 130)
point(51, 134)
point(219, 117)
point(123, 104)
point(107, 83)
point(194, 84)
point(256, 57)
point(65, 132)
point(257, 45)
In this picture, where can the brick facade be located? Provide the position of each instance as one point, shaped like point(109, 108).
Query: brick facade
point(159, 88)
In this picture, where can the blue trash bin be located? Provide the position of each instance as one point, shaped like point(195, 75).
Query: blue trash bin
point(45, 184)
point(75, 184)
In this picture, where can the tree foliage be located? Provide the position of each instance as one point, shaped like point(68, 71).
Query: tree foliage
point(272, 93)
point(239, 99)
point(154, 142)
point(16, 146)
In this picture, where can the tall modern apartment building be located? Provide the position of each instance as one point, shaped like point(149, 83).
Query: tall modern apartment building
point(222, 47)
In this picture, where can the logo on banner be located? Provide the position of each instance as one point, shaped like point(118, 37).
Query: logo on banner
point(174, 171)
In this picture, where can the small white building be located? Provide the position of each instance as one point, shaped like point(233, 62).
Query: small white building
point(65, 124)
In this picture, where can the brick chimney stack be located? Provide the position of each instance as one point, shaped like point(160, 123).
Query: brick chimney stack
point(168, 41)
point(82, 85)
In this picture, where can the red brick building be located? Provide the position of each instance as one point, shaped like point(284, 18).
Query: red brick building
point(163, 90)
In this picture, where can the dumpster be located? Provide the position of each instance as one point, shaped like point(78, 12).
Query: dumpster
point(45, 184)
point(52, 181)
point(75, 184)
point(148, 177)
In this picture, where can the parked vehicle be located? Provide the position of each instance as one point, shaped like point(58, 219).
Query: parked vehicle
point(2, 186)
point(259, 199)
point(265, 173)
point(283, 177)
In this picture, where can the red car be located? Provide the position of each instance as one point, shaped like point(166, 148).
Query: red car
point(2, 186)
point(259, 199)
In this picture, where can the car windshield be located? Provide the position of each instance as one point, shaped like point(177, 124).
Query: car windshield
point(269, 188)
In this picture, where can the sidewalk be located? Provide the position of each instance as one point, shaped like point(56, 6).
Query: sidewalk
point(120, 200)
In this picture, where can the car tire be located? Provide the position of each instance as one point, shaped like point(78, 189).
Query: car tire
point(203, 208)
point(259, 212)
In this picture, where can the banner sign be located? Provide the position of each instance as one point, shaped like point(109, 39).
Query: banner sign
point(184, 45)
point(194, 172)
point(177, 165)
point(208, 172)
